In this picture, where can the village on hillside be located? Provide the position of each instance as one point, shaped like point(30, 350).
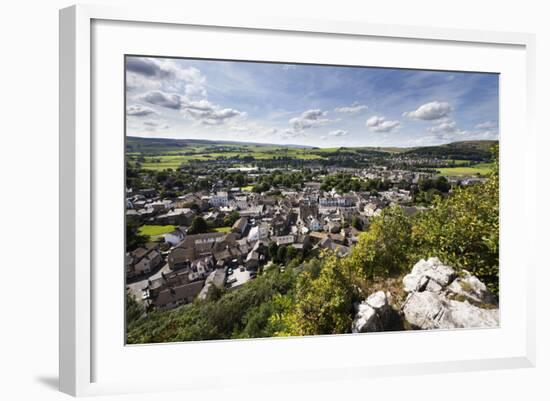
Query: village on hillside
point(221, 236)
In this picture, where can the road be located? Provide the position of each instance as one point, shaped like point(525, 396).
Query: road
point(136, 287)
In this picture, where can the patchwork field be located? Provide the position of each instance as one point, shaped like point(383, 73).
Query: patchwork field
point(462, 171)
point(155, 231)
point(161, 154)
point(222, 229)
point(174, 159)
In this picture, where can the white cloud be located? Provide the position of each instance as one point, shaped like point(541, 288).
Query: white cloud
point(446, 126)
point(150, 73)
point(248, 129)
point(138, 110)
point(159, 98)
point(353, 109)
point(487, 125)
point(154, 125)
point(208, 113)
point(202, 110)
point(338, 132)
point(291, 133)
point(446, 130)
point(430, 111)
point(381, 124)
point(310, 119)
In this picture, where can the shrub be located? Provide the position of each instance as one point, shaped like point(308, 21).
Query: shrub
point(384, 249)
point(463, 230)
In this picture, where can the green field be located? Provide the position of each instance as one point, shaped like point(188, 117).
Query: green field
point(161, 153)
point(174, 160)
point(154, 231)
point(221, 229)
point(462, 171)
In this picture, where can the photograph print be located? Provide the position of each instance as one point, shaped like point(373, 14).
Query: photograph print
point(283, 200)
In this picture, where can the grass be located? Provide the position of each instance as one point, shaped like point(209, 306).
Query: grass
point(221, 229)
point(154, 231)
point(480, 168)
point(174, 161)
point(247, 188)
point(158, 157)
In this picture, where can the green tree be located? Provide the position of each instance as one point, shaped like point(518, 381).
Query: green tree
point(281, 254)
point(231, 218)
point(133, 238)
point(198, 226)
point(385, 248)
point(272, 250)
point(323, 305)
point(463, 230)
point(133, 309)
point(357, 223)
point(291, 253)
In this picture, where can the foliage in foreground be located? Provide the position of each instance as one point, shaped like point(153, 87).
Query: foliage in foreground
point(239, 313)
point(463, 230)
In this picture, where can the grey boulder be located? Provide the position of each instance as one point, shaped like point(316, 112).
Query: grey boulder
point(373, 314)
point(440, 298)
point(431, 310)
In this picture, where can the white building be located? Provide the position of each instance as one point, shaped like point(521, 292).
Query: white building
point(258, 233)
point(314, 224)
point(220, 199)
point(284, 239)
point(174, 237)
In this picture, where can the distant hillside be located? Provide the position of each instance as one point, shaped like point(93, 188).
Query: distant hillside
point(163, 153)
point(465, 150)
point(160, 145)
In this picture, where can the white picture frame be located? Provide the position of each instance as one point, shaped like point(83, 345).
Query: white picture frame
point(80, 343)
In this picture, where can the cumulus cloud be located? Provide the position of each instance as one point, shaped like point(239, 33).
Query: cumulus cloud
point(445, 126)
point(381, 124)
point(138, 110)
point(150, 73)
point(430, 111)
point(159, 98)
point(447, 130)
point(146, 66)
point(291, 133)
point(202, 110)
point(310, 119)
point(353, 109)
point(338, 132)
point(251, 128)
point(487, 125)
point(154, 125)
point(207, 113)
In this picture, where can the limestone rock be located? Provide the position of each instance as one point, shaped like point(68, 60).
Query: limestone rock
point(439, 298)
point(373, 314)
point(430, 275)
point(431, 310)
point(470, 287)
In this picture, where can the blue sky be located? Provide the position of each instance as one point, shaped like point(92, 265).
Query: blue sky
point(314, 105)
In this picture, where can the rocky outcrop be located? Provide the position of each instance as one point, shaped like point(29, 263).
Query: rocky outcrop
point(441, 298)
point(375, 314)
point(438, 297)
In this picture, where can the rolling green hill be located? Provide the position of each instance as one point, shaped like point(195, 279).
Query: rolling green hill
point(164, 153)
point(465, 150)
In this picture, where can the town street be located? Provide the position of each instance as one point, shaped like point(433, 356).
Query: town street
point(136, 287)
